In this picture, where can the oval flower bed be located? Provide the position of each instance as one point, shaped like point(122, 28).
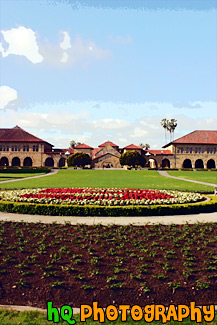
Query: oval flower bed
point(99, 196)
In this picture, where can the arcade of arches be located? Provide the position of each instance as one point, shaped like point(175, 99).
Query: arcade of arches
point(195, 150)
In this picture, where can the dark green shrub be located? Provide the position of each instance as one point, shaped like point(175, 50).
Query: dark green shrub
point(24, 170)
point(79, 159)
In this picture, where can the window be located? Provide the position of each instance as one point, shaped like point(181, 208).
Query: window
point(35, 148)
point(191, 150)
point(211, 150)
point(199, 150)
point(187, 149)
point(196, 149)
point(207, 150)
point(27, 147)
point(203, 150)
point(180, 150)
point(24, 148)
point(214, 150)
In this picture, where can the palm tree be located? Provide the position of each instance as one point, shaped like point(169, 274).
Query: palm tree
point(144, 146)
point(172, 126)
point(165, 125)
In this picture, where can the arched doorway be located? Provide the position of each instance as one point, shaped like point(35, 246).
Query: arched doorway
point(199, 163)
point(15, 161)
point(49, 162)
point(152, 163)
point(187, 163)
point(211, 164)
point(4, 161)
point(62, 162)
point(27, 162)
point(165, 163)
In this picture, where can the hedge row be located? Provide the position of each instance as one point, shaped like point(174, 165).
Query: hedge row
point(25, 170)
point(77, 210)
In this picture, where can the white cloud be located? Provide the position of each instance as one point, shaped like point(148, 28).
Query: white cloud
point(110, 124)
point(139, 133)
point(64, 58)
point(66, 43)
point(57, 122)
point(84, 50)
point(22, 41)
point(68, 53)
point(7, 95)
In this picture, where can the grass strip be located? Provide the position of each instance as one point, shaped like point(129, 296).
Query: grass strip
point(144, 179)
point(11, 317)
point(202, 176)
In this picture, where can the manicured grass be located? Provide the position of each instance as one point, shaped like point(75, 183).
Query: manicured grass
point(9, 317)
point(147, 179)
point(203, 176)
point(10, 176)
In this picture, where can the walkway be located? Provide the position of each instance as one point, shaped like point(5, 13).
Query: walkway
point(177, 219)
point(164, 173)
point(52, 172)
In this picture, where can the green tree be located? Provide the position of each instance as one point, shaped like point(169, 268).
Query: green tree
point(132, 158)
point(79, 159)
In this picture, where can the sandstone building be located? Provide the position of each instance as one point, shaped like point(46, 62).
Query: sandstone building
point(195, 150)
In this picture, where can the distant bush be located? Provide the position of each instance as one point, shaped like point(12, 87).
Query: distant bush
point(187, 169)
point(201, 169)
point(24, 170)
point(170, 169)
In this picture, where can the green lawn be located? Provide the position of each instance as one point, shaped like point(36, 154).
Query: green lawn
point(203, 176)
point(107, 178)
point(10, 176)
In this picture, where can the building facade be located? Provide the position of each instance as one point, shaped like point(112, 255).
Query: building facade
point(195, 150)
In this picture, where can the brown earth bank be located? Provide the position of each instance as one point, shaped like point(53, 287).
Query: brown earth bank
point(79, 264)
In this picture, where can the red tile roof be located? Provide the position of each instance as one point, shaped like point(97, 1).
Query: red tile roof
point(94, 151)
point(83, 146)
point(70, 150)
point(160, 152)
point(108, 143)
point(17, 134)
point(132, 147)
point(197, 137)
point(104, 154)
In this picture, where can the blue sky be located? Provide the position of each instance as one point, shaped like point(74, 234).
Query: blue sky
point(92, 72)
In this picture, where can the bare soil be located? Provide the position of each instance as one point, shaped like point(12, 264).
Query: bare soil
point(80, 264)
